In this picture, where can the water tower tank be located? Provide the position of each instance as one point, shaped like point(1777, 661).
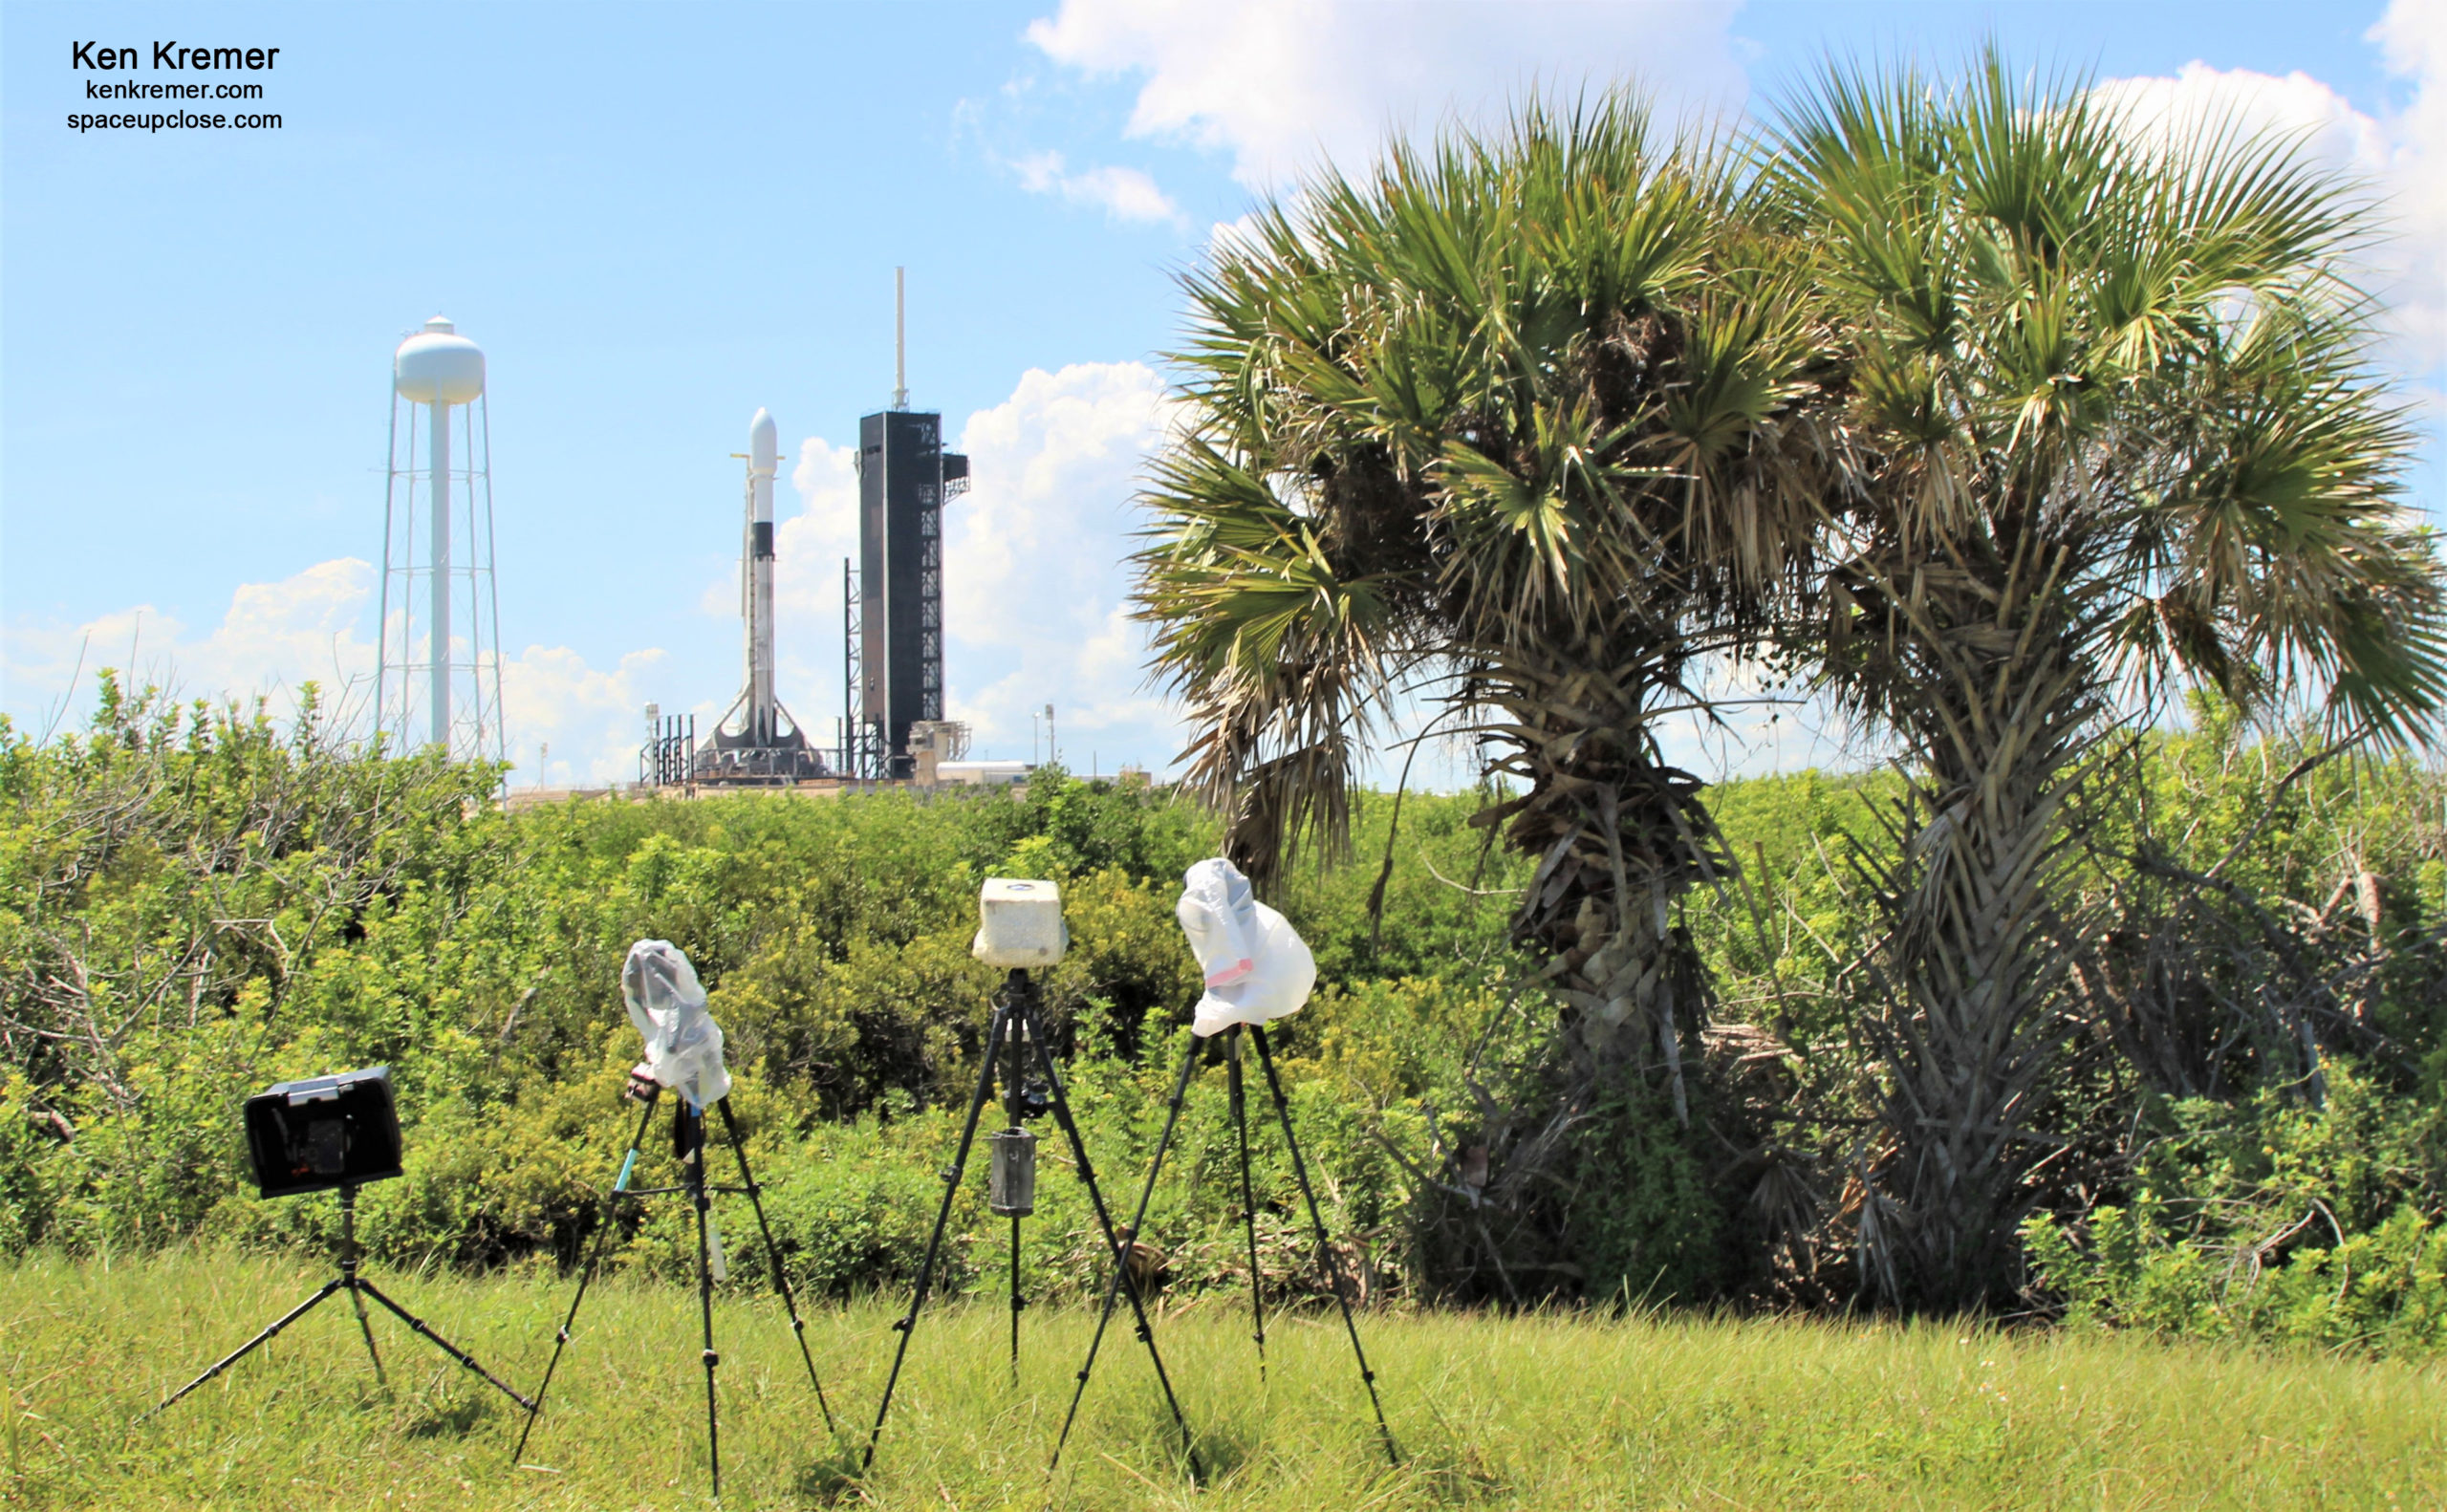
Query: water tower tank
point(437, 366)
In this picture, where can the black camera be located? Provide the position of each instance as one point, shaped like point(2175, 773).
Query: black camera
point(324, 1132)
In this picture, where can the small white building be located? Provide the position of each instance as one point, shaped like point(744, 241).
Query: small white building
point(983, 773)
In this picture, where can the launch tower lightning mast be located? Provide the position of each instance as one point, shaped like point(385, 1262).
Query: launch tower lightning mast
point(437, 679)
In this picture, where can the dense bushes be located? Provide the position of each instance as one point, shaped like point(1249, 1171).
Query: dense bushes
point(2273, 1220)
point(194, 904)
point(154, 861)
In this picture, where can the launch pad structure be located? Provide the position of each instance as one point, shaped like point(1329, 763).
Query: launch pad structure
point(892, 596)
point(891, 599)
point(892, 727)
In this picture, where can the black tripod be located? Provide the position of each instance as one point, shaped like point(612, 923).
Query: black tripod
point(1231, 1039)
point(688, 1140)
point(1015, 1032)
point(358, 1288)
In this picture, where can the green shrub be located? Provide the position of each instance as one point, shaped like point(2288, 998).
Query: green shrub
point(194, 904)
point(2272, 1219)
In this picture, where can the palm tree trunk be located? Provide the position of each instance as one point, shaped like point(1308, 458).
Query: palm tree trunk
point(1976, 949)
point(1620, 837)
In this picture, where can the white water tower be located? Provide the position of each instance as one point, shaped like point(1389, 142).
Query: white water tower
point(439, 676)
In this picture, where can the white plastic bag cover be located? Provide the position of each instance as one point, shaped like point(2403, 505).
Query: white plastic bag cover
point(1257, 966)
point(684, 1044)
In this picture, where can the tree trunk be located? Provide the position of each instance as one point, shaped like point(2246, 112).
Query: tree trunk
point(1620, 837)
point(2000, 720)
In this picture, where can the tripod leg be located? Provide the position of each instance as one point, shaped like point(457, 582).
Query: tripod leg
point(934, 1244)
point(418, 1326)
point(1013, 1096)
point(356, 1299)
point(1121, 1242)
point(350, 1283)
point(252, 1345)
point(694, 1119)
point(1113, 1244)
point(773, 1259)
point(594, 1254)
point(1325, 1248)
point(1248, 1200)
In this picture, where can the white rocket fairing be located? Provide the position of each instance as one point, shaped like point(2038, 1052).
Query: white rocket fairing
point(756, 579)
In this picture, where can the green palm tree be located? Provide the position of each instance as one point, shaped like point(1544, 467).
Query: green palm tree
point(1518, 425)
point(2113, 428)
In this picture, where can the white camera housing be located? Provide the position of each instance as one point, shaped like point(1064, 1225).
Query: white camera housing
point(1020, 923)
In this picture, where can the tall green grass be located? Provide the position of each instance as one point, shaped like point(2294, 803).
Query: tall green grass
point(1546, 1412)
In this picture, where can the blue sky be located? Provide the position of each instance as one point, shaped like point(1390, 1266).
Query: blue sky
point(657, 218)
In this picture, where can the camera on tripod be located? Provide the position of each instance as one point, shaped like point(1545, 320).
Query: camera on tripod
point(1257, 969)
point(312, 1135)
point(684, 1055)
point(324, 1132)
point(1019, 926)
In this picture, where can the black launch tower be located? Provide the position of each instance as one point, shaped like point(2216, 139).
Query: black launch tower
point(893, 603)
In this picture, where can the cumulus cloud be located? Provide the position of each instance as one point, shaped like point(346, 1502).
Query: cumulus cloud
point(274, 639)
point(808, 548)
point(570, 724)
point(1123, 194)
point(1036, 592)
point(2399, 157)
point(1278, 83)
point(2295, 106)
point(316, 626)
point(2413, 40)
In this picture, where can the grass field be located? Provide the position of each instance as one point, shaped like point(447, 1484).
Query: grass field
point(1544, 1411)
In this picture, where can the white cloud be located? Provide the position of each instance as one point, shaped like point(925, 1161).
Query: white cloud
point(809, 546)
point(1277, 83)
point(807, 549)
point(1123, 194)
point(2400, 156)
point(1036, 592)
point(2295, 105)
point(592, 721)
point(316, 626)
point(274, 638)
point(2412, 39)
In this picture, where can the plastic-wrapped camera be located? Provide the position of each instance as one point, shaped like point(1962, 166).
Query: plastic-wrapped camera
point(1020, 923)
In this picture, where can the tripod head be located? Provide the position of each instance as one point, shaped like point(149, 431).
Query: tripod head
point(1026, 1094)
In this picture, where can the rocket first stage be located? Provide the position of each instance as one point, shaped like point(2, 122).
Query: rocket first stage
point(756, 576)
point(758, 741)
